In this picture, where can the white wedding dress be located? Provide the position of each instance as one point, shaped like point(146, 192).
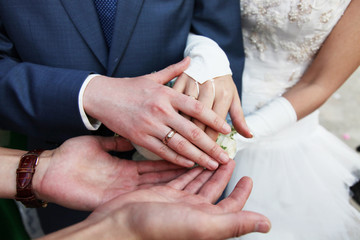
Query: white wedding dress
point(302, 174)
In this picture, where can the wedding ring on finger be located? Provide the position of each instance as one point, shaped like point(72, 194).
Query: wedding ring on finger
point(168, 136)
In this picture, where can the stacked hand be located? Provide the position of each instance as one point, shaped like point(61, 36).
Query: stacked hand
point(150, 110)
point(220, 95)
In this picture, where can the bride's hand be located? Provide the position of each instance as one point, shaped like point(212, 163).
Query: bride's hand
point(220, 95)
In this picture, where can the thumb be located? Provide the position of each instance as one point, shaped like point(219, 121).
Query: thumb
point(238, 119)
point(240, 223)
point(167, 74)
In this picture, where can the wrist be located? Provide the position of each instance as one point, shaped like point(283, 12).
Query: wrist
point(108, 226)
point(24, 180)
point(41, 168)
point(92, 95)
point(89, 122)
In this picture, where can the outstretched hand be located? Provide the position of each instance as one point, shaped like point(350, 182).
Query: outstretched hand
point(181, 209)
point(81, 174)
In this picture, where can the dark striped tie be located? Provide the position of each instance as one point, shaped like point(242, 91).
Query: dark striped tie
point(106, 10)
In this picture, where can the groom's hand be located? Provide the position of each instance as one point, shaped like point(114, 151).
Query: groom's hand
point(146, 112)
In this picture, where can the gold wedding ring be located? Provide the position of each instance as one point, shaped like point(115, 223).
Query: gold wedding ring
point(168, 136)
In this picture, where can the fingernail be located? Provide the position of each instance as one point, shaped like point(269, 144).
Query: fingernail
point(213, 165)
point(262, 227)
point(224, 158)
point(226, 128)
point(189, 164)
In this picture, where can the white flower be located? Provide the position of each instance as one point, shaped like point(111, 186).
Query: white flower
point(228, 143)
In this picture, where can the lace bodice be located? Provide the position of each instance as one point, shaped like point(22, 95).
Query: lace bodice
point(281, 38)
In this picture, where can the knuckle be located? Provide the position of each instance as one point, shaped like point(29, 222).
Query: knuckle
point(218, 122)
point(203, 159)
point(195, 134)
point(181, 146)
point(198, 107)
point(163, 149)
point(178, 158)
point(157, 108)
point(214, 150)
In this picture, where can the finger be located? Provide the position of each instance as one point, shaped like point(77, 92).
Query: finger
point(180, 83)
point(206, 96)
point(170, 72)
point(161, 177)
point(114, 144)
point(182, 146)
point(237, 117)
point(195, 141)
point(197, 110)
point(231, 225)
point(191, 89)
point(214, 187)
point(183, 180)
point(221, 107)
point(156, 166)
point(194, 186)
point(155, 145)
point(237, 199)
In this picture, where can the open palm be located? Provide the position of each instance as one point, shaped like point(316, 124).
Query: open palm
point(81, 174)
point(183, 209)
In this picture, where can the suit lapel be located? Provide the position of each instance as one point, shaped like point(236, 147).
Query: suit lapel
point(126, 17)
point(83, 15)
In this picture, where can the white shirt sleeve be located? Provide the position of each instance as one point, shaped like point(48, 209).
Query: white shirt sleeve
point(208, 60)
point(89, 122)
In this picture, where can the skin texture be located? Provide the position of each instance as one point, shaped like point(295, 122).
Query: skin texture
point(221, 96)
point(337, 59)
point(135, 200)
point(93, 176)
point(173, 211)
point(153, 112)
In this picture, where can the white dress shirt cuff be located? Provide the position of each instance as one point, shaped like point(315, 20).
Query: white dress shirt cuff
point(89, 122)
point(208, 60)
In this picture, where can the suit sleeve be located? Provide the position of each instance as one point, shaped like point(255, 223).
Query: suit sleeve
point(221, 22)
point(37, 100)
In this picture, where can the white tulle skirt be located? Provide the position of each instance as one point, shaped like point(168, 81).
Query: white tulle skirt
point(301, 183)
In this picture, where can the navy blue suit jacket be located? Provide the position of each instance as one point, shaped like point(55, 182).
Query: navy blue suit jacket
point(48, 48)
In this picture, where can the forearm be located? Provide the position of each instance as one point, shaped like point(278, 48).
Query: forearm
point(9, 163)
point(337, 59)
point(108, 227)
point(35, 100)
